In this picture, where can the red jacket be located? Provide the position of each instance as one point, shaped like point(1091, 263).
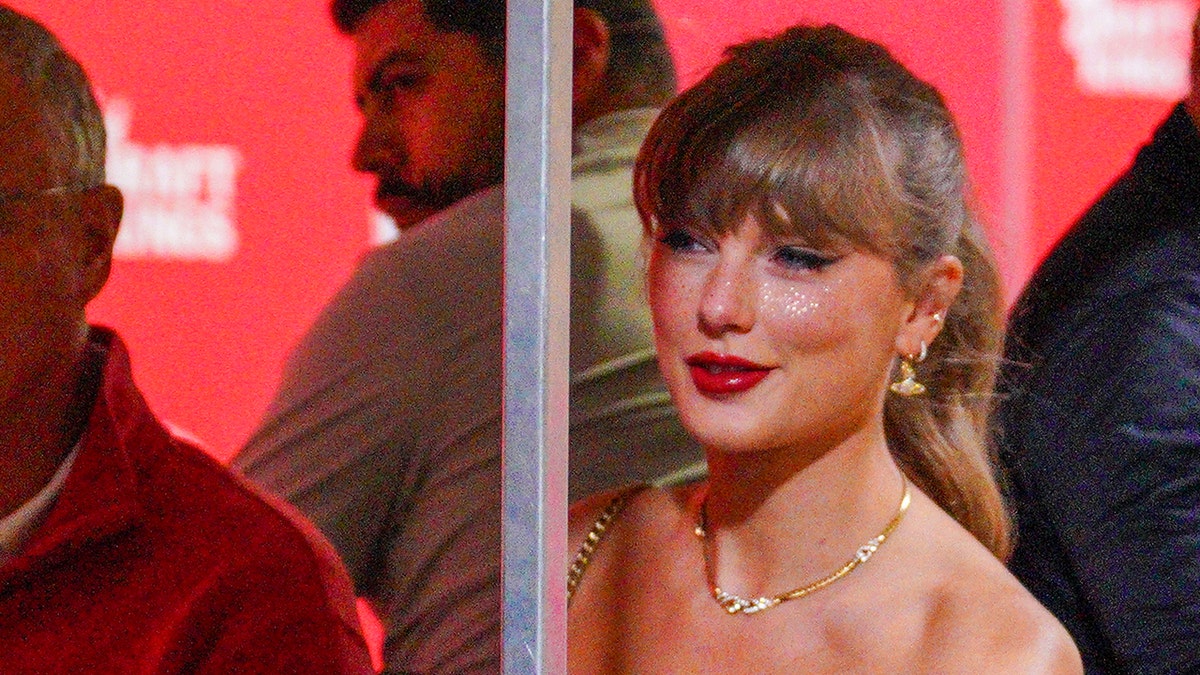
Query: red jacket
point(155, 559)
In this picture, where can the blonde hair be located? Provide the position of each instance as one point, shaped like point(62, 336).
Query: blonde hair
point(823, 132)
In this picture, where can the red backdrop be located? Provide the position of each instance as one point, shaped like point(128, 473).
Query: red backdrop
point(1105, 73)
point(231, 126)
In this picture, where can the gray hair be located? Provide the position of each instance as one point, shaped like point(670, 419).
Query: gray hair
point(61, 90)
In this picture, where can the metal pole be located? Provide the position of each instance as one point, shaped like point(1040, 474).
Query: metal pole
point(1012, 237)
point(537, 204)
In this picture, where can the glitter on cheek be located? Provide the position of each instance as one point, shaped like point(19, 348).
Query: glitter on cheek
point(790, 302)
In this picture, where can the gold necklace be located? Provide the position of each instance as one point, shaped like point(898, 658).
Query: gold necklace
point(735, 604)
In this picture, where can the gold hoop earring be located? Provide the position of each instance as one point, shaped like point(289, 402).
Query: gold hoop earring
point(907, 384)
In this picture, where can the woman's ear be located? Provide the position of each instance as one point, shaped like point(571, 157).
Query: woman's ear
point(938, 286)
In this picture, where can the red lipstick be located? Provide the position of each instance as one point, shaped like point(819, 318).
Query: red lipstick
point(724, 374)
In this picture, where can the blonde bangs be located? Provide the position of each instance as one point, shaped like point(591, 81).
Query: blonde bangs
point(805, 160)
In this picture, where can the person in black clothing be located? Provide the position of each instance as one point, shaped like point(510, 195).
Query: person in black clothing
point(1100, 414)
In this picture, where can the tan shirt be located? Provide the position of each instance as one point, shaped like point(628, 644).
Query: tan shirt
point(386, 429)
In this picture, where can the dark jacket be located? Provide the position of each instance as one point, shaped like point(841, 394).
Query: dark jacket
point(1100, 418)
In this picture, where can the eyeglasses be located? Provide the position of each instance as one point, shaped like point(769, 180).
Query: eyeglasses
point(9, 219)
point(21, 196)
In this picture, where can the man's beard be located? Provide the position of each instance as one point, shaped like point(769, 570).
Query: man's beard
point(433, 195)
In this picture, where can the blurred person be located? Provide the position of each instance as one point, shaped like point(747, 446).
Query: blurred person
point(122, 548)
point(1100, 424)
point(812, 240)
point(386, 427)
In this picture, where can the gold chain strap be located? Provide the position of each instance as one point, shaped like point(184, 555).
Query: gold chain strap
point(584, 557)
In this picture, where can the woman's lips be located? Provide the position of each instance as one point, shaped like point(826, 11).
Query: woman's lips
point(724, 374)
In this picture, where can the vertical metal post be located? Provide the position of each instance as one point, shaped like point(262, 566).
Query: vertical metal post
point(1012, 240)
point(537, 204)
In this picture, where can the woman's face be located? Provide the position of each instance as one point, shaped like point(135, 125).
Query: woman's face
point(769, 343)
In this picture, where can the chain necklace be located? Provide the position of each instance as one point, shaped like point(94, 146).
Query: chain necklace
point(735, 604)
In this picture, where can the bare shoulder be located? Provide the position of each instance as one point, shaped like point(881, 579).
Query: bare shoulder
point(997, 627)
point(636, 506)
point(584, 513)
point(980, 618)
point(614, 536)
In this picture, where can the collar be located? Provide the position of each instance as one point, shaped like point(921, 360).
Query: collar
point(16, 527)
point(98, 497)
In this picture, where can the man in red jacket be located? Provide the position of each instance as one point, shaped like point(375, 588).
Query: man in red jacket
point(122, 548)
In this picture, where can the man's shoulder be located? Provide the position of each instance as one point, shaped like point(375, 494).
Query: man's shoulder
point(409, 294)
point(174, 485)
point(463, 244)
point(1102, 276)
point(206, 561)
point(473, 221)
point(1155, 275)
point(182, 488)
point(1134, 237)
point(191, 502)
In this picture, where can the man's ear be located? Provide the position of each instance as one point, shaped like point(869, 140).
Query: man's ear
point(938, 286)
point(591, 54)
point(100, 217)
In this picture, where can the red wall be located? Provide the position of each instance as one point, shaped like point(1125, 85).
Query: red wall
point(232, 124)
point(1105, 73)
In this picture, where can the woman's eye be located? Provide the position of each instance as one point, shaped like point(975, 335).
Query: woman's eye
point(796, 257)
point(681, 241)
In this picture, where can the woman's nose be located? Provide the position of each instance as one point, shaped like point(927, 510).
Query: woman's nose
point(728, 301)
